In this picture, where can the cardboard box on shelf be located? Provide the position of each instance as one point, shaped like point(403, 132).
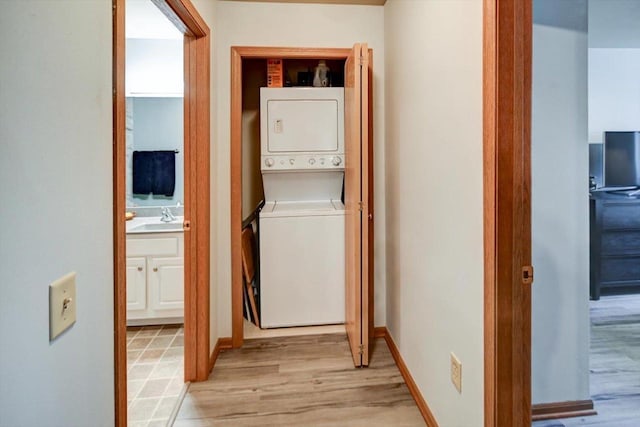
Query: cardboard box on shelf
point(274, 73)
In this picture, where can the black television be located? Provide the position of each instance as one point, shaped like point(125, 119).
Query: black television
point(622, 159)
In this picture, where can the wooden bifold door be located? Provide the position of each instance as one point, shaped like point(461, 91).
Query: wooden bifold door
point(357, 178)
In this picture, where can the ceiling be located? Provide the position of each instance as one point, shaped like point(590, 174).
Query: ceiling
point(143, 20)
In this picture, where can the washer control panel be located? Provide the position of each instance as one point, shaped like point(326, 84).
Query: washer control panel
point(306, 161)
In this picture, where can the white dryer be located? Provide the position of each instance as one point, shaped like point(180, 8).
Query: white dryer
point(302, 222)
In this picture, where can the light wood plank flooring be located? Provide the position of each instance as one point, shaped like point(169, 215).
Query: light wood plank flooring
point(251, 331)
point(614, 365)
point(300, 381)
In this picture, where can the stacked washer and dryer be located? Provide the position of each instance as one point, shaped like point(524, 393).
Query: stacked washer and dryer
point(302, 272)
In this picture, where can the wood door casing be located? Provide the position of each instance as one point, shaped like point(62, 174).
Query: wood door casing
point(507, 55)
point(356, 203)
point(197, 193)
point(238, 54)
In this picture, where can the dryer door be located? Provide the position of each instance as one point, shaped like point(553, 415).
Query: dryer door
point(302, 125)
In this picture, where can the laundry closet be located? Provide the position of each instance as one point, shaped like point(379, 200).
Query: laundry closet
point(302, 191)
point(294, 173)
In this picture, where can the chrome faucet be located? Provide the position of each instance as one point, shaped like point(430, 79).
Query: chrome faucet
point(167, 216)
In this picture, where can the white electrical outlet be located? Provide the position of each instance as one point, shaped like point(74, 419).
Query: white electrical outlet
point(456, 373)
point(62, 305)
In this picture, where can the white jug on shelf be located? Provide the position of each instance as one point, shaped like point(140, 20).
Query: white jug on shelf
point(321, 76)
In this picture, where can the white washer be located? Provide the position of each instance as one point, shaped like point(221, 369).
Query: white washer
point(302, 263)
point(302, 223)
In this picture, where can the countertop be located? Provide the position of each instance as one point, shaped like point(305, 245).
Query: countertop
point(152, 224)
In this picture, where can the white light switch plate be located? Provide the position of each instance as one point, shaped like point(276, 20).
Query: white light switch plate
point(62, 305)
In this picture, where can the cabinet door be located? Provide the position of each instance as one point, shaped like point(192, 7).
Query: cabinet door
point(166, 285)
point(136, 284)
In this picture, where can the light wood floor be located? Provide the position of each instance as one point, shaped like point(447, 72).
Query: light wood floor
point(300, 381)
point(251, 331)
point(614, 365)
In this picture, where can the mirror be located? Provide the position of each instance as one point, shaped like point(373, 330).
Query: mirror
point(155, 159)
point(155, 108)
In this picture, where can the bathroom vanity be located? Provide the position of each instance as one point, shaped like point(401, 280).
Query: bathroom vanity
point(155, 271)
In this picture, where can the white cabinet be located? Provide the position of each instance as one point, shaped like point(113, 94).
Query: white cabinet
point(166, 285)
point(155, 278)
point(136, 284)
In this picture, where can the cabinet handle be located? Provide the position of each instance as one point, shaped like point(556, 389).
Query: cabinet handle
point(139, 268)
point(155, 268)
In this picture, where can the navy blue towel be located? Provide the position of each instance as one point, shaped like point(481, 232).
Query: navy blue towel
point(142, 172)
point(154, 172)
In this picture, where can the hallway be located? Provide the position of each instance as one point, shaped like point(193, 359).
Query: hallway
point(304, 380)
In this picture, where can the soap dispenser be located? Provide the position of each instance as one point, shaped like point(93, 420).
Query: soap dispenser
point(322, 75)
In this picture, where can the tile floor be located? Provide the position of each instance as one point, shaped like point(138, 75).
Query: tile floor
point(155, 372)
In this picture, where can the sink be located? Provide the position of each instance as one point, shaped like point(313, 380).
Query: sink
point(162, 226)
point(142, 224)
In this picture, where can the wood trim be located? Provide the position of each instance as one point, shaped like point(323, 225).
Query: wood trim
point(237, 331)
point(197, 194)
point(383, 332)
point(343, 2)
point(184, 16)
point(380, 332)
point(253, 52)
point(197, 207)
point(569, 409)
point(225, 343)
point(489, 203)
point(202, 133)
point(190, 206)
point(507, 210)
point(238, 53)
point(119, 202)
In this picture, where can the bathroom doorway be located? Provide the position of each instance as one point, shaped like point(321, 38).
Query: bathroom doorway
point(161, 205)
point(154, 214)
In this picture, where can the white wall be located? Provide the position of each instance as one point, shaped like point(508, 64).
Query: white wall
point(614, 66)
point(614, 91)
point(278, 24)
point(560, 209)
point(56, 210)
point(614, 23)
point(434, 204)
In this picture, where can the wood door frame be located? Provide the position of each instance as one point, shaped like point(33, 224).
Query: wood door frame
point(238, 53)
point(507, 54)
point(197, 52)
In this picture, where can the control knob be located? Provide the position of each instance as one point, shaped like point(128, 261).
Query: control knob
point(269, 162)
point(336, 161)
point(312, 161)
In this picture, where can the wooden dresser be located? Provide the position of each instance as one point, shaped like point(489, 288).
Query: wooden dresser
point(614, 244)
